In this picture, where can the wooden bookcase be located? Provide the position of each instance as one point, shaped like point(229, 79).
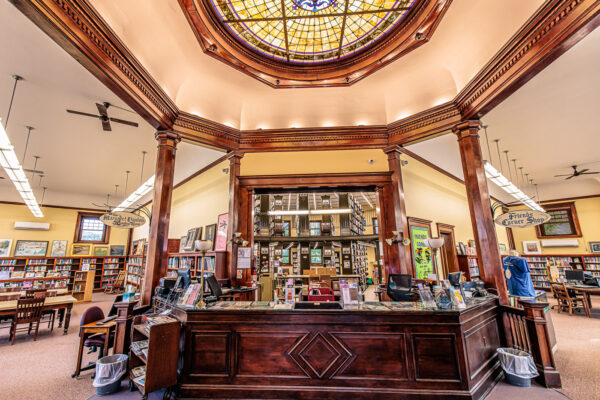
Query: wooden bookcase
point(469, 266)
point(216, 263)
point(134, 270)
point(83, 285)
point(162, 355)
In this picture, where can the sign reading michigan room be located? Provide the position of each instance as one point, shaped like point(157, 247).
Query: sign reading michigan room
point(122, 219)
point(522, 218)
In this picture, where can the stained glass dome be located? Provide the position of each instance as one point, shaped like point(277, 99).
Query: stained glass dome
point(310, 31)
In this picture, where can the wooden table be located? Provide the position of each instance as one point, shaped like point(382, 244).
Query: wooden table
point(59, 292)
point(89, 329)
point(63, 304)
point(586, 291)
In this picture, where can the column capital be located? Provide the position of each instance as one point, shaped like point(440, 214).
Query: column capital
point(235, 155)
point(467, 128)
point(168, 135)
point(393, 150)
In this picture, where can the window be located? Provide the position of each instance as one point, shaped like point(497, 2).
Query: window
point(563, 222)
point(375, 226)
point(90, 229)
point(315, 228)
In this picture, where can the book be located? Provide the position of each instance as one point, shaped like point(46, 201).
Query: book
point(138, 346)
point(18, 274)
point(426, 296)
point(138, 371)
point(140, 380)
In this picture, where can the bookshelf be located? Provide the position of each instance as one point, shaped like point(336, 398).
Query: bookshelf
point(538, 268)
point(134, 269)
point(83, 285)
point(153, 355)
point(469, 266)
point(55, 272)
point(592, 264)
point(216, 263)
point(360, 263)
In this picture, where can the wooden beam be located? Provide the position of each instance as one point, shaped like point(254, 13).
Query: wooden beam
point(488, 253)
point(234, 211)
point(156, 259)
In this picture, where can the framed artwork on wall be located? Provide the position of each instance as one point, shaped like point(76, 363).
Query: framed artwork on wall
point(221, 236)
point(423, 260)
point(100, 251)
point(595, 247)
point(532, 247)
point(210, 232)
point(5, 245)
point(59, 248)
point(117, 250)
point(31, 248)
point(81, 249)
point(563, 222)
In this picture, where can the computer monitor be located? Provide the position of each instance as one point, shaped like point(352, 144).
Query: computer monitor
point(574, 275)
point(186, 277)
point(399, 287)
point(213, 284)
point(454, 278)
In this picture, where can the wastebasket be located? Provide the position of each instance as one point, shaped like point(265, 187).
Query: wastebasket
point(109, 371)
point(518, 366)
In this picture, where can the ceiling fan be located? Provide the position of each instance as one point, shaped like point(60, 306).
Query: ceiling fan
point(577, 173)
point(106, 120)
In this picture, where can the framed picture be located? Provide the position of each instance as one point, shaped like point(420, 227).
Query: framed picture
point(59, 248)
point(182, 243)
point(423, 261)
point(502, 248)
point(5, 245)
point(563, 222)
point(100, 251)
point(193, 235)
point(31, 248)
point(532, 247)
point(210, 232)
point(595, 247)
point(117, 250)
point(463, 248)
point(81, 249)
point(221, 236)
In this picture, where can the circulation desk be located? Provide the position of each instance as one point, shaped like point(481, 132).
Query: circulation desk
point(376, 351)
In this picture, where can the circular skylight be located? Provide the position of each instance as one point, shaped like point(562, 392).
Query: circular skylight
point(310, 31)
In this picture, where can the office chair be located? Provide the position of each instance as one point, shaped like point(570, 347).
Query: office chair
point(399, 287)
point(94, 341)
point(215, 289)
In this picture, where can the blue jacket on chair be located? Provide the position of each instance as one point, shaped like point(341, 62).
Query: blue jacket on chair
point(518, 277)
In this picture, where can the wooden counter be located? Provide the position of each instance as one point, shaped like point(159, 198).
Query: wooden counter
point(308, 354)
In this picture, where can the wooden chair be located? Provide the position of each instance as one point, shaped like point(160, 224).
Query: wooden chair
point(567, 301)
point(10, 289)
point(48, 315)
point(29, 311)
point(116, 284)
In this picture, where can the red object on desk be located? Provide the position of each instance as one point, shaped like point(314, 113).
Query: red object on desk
point(320, 294)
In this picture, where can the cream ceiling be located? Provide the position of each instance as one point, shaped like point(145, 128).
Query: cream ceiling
point(81, 163)
point(549, 124)
point(471, 32)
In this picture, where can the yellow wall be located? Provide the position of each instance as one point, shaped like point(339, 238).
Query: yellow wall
point(588, 213)
point(62, 226)
point(312, 162)
point(196, 203)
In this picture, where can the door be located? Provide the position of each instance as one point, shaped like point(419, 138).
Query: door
point(448, 251)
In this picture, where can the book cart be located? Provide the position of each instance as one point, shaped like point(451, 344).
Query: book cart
point(153, 354)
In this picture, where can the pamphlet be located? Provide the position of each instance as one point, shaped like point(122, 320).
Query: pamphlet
point(289, 291)
point(426, 296)
point(457, 298)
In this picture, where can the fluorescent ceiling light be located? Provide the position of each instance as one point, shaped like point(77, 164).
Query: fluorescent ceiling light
point(500, 180)
point(14, 170)
point(136, 195)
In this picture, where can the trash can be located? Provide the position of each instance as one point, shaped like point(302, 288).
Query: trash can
point(518, 366)
point(109, 371)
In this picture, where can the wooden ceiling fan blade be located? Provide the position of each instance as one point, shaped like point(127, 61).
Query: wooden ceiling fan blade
point(584, 171)
point(83, 113)
point(122, 121)
point(572, 176)
point(102, 109)
point(559, 176)
point(590, 173)
point(106, 125)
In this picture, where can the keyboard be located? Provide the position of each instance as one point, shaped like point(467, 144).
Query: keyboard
point(105, 320)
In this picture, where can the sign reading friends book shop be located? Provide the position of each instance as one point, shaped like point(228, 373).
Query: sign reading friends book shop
point(422, 255)
point(522, 218)
point(122, 219)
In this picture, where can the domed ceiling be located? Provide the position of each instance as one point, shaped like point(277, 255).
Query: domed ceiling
point(308, 43)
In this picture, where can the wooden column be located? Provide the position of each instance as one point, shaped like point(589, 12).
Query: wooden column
point(123, 329)
point(234, 210)
point(156, 259)
point(490, 264)
point(398, 254)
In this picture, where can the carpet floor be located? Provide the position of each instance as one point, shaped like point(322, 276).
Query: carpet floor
point(42, 369)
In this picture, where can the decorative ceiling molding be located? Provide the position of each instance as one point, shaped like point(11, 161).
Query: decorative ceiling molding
point(80, 31)
point(554, 29)
point(338, 138)
point(200, 130)
point(423, 125)
point(217, 41)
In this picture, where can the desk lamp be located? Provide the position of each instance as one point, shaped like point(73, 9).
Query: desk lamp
point(202, 246)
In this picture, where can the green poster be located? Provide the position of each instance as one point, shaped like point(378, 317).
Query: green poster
point(421, 253)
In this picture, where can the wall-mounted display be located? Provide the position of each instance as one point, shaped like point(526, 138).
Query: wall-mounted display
point(59, 248)
point(100, 251)
point(81, 249)
point(31, 248)
point(563, 222)
point(210, 232)
point(221, 237)
point(422, 255)
point(117, 250)
point(532, 247)
point(5, 245)
point(595, 247)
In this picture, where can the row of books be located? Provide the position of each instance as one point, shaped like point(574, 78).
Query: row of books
point(5, 275)
point(160, 319)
